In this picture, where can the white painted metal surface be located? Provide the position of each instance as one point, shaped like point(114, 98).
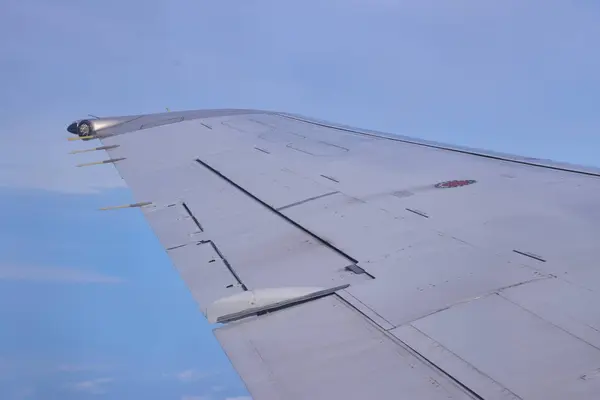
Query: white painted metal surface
point(325, 350)
point(516, 348)
point(493, 282)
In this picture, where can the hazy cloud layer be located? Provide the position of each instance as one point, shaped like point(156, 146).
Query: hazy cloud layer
point(191, 375)
point(54, 274)
point(40, 368)
point(78, 368)
point(96, 386)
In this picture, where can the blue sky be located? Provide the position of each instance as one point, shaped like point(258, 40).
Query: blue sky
point(89, 302)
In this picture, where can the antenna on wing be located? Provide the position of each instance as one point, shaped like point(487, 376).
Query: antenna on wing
point(91, 115)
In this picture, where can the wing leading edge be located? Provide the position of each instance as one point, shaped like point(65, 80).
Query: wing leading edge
point(345, 263)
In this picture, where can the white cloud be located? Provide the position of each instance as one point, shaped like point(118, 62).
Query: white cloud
point(199, 397)
point(192, 375)
point(94, 386)
point(54, 274)
point(74, 368)
point(25, 369)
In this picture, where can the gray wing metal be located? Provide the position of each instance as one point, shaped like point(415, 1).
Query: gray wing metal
point(346, 263)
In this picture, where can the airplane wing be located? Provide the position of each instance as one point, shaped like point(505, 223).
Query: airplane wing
point(349, 264)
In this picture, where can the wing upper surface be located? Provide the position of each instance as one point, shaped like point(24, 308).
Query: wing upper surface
point(477, 273)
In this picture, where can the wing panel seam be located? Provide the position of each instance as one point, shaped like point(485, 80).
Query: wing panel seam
point(225, 261)
point(274, 210)
point(441, 147)
point(471, 391)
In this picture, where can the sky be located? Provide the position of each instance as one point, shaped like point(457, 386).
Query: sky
point(90, 304)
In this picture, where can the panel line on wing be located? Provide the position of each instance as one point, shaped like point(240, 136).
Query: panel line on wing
point(557, 326)
point(442, 147)
point(176, 247)
point(297, 203)
point(436, 366)
point(192, 216)
point(274, 210)
point(401, 343)
point(263, 150)
point(154, 124)
point(421, 213)
point(227, 264)
point(330, 178)
point(365, 310)
point(530, 255)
